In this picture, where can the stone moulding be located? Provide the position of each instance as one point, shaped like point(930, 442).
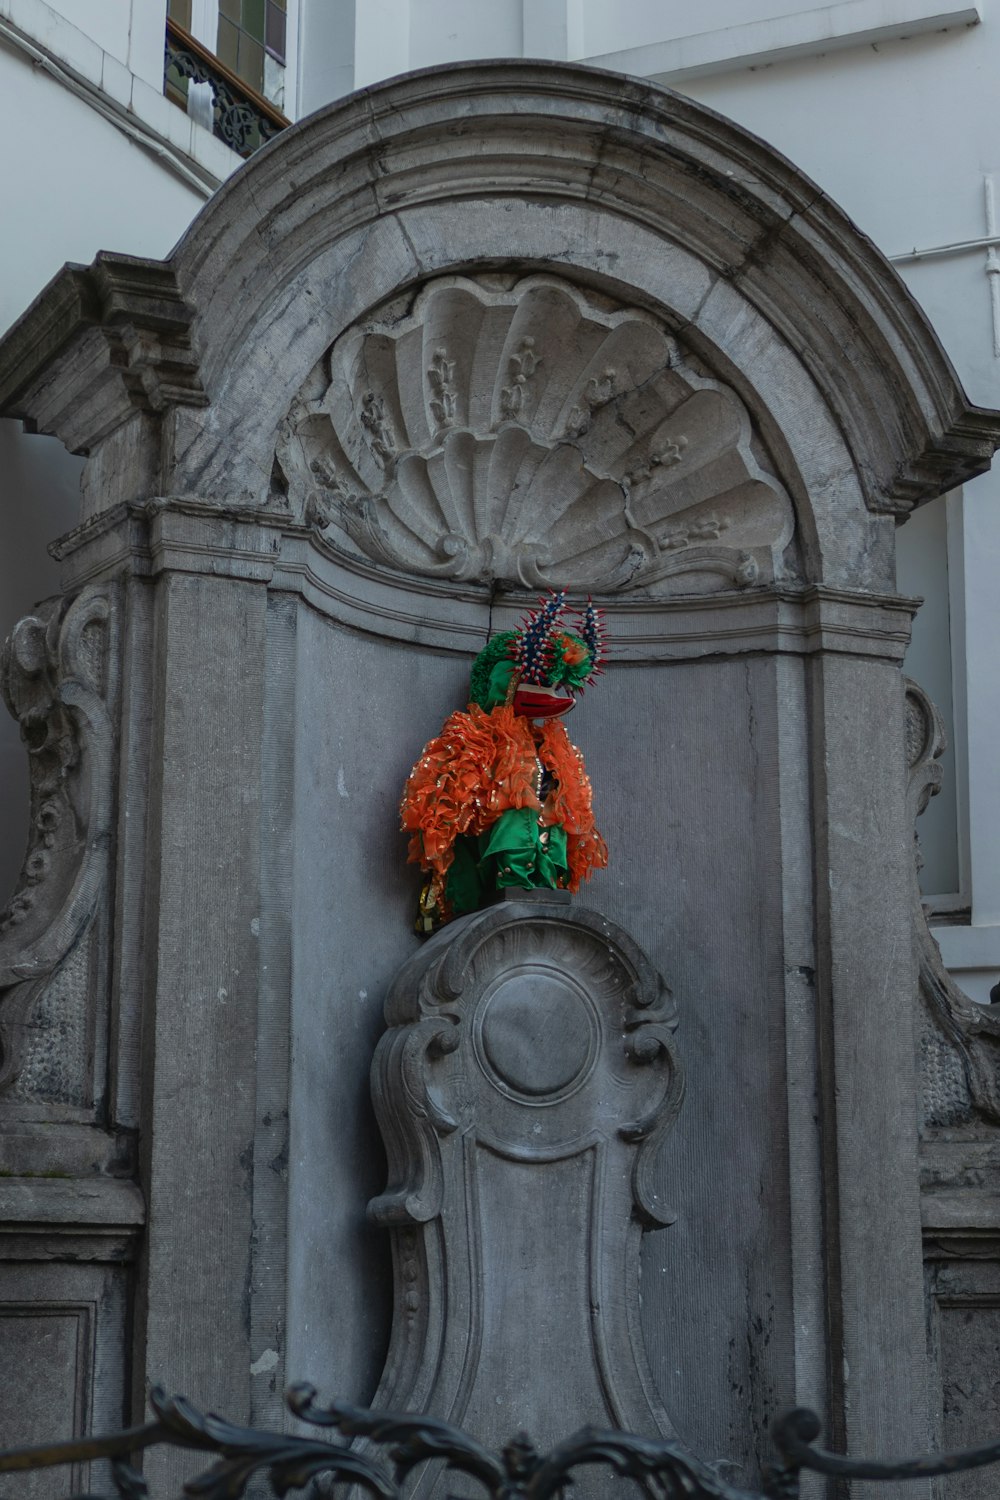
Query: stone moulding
point(961, 1048)
point(271, 547)
point(89, 1219)
point(534, 435)
point(124, 332)
point(58, 674)
point(529, 1060)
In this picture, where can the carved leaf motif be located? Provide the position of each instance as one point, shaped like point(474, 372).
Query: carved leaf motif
point(54, 677)
point(440, 378)
point(600, 389)
point(522, 365)
point(376, 424)
point(537, 437)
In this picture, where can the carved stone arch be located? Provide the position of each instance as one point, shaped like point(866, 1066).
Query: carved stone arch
point(644, 191)
point(617, 184)
point(247, 424)
point(733, 340)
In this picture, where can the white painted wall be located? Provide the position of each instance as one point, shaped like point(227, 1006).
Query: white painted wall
point(79, 185)
point(82, 187)
point(107, 22)
point(447, 30)
point(652, 38)
point(326, 54)
point(650, 24)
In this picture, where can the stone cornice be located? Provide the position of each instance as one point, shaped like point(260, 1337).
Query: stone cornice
point(74, 1218)
point(263, 547)
point(119, 332)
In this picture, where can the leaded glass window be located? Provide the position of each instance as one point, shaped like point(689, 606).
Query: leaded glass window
point(250, 33)
point(175, 84)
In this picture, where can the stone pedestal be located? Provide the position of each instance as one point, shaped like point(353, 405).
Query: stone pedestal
point(523, 1089)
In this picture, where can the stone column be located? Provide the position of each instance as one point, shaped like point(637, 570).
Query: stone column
point(865, 987)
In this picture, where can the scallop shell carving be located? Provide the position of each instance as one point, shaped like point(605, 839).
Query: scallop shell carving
point(533, 436)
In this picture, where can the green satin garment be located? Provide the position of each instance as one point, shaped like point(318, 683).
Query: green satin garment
point(514, 851)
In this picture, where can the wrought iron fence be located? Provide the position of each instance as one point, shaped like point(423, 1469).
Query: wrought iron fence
point(662, 1470)
point(240, 116)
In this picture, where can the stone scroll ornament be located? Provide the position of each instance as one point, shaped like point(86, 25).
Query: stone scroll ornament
point(57, 678)
point(960, 1041)
point(500, 797)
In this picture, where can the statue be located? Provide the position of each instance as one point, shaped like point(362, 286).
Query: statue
point(500, 797)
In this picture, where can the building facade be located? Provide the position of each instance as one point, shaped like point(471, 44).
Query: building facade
point(843, 91)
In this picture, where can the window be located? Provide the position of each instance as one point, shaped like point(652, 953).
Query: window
point(225, 65)
point(175, 82)
point(251, 42)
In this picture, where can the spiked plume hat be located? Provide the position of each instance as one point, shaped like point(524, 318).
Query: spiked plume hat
point(540, 667)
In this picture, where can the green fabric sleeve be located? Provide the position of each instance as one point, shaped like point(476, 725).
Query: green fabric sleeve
point(499, 683)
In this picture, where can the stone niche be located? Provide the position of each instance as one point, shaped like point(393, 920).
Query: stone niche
point(472, 334)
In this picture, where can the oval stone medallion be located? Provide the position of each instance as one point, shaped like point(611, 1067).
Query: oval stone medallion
point(538, 1033)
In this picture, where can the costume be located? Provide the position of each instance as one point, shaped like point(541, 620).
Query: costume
point(501, 797)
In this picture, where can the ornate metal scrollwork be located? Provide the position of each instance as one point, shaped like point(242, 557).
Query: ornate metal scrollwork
point(238, 118)
point(661, 1468)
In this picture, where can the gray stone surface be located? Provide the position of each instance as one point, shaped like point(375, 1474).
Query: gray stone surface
point(963, 1280)
point(865, 988)
point(201, 971)
point(202, 987)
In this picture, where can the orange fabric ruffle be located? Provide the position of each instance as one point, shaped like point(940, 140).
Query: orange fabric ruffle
point(571, 803)
point(482, 764)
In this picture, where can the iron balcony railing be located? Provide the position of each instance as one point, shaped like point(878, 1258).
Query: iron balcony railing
point(240, 116)
point(661, 1469)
